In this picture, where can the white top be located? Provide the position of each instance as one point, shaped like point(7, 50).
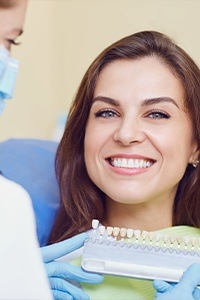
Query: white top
point(22, 274)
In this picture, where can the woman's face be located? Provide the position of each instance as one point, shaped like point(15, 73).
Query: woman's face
point(138, 139)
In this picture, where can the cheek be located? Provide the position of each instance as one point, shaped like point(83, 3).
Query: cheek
point(184, 143)
point(97, 139)
point(174, 143)
point(90, 146)
point(177, 148)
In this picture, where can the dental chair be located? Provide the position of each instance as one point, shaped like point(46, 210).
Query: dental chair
point(30, 163)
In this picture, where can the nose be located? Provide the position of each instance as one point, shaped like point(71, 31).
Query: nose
point(129, 132)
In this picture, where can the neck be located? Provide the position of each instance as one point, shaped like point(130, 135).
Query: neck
point(144, 216)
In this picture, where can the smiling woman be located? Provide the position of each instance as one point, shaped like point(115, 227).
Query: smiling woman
point(129, 154)
point(140, 126)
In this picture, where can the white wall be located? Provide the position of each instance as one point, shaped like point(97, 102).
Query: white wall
point(61, 39)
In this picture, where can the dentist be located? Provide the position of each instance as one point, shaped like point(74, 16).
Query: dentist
point(19, 250)
point(23, 274)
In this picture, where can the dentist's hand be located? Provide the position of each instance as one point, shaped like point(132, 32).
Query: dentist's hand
point(186, 289)
point(59, 272)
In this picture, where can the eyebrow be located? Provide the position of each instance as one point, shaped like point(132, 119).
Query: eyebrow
point(152, 101)
point(145, 102)
point(106, 100)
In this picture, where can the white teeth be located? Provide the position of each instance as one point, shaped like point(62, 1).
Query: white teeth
point(151, 235)
point(179, 240)
point(137, 233)
point(130, 163)
point(116, 231)
point(165, 238)
point(130, 233)
point(145, 234)
point(95, 223)
point(124, 162)
point(102, 229)
point(123, 232)
point(158, 236)
point(109, 230)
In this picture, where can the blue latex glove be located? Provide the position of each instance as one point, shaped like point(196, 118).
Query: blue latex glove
point(59, 272)
point(186, 289)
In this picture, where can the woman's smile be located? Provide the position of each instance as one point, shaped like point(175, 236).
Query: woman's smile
point(129, 164)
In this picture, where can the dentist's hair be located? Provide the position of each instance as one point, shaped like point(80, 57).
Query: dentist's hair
point(81, 199)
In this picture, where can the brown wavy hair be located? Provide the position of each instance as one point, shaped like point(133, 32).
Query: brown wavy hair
point(81, 200)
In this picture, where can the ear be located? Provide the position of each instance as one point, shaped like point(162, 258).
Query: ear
point(195, 156)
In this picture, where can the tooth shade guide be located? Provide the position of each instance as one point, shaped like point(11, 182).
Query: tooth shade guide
point(135, 236)
point(166, 259)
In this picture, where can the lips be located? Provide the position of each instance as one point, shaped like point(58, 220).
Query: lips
point(130, 163)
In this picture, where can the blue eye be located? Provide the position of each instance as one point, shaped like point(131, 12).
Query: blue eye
point(157, 115)
point(106, 113)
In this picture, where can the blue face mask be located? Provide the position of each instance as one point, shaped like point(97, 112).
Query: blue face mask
point(8, 74)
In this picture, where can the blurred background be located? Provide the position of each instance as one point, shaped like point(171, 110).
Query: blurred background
point(62, 37)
